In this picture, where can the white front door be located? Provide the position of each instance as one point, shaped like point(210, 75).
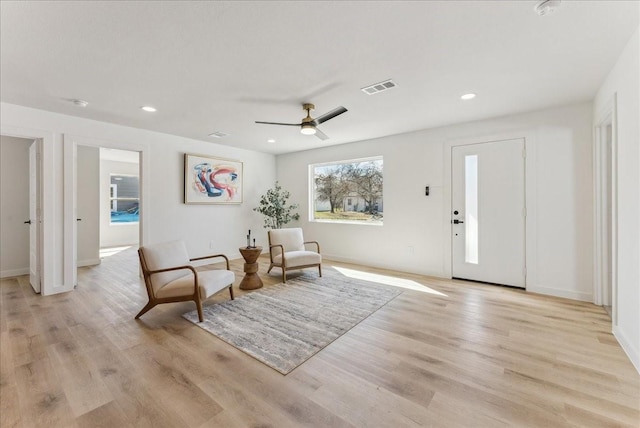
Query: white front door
point(488, 212)
point(34, 217)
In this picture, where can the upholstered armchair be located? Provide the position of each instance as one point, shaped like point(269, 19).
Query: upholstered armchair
point(169, 276)
point(288, 252)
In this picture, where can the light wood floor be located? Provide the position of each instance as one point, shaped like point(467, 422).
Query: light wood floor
point(476, 356)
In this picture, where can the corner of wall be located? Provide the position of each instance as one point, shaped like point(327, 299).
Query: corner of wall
point(632, 352)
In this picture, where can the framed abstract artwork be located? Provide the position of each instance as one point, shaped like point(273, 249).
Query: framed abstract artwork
point(209, 180)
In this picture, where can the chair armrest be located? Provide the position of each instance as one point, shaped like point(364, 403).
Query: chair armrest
point(314, 242)
point(271, 254)
point(151, 272)
point(211, 257)
point(191, 268)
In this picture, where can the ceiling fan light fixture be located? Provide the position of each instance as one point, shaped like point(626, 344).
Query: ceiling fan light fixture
point(308, 126)
point(308, 129)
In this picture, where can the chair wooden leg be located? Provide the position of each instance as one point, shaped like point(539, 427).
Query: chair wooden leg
point(270, 267)
point(146, 308)
point(320, 270)
point(199, 306)
point(284, 275)
point(231, 291)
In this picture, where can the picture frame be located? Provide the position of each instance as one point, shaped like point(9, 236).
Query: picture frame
point(212, 180)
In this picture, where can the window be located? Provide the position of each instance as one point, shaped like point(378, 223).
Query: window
point(471, 208)
point(124, 197)
point(347, 191)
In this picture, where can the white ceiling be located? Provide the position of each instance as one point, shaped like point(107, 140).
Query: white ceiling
point(219, 66)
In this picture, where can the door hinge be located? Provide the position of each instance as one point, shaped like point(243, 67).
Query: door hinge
point(524, 212)
point(524, 152)
point(524, 271)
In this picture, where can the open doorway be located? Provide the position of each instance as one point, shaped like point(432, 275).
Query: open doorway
point(605, 214)
point(108, 203)
point(607, 290)
point(137, 159)
point(120, 200)
point(20, 209)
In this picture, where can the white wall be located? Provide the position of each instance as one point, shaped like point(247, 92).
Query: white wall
point(559, 161)
point(623, 81)
point(88, 206)
point(205, 228)
point(115, 235)
point(14, 206)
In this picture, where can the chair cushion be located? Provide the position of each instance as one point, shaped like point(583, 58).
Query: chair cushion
point(291, 239)
point(163, 256)
point(209, 282)
point(299, 258)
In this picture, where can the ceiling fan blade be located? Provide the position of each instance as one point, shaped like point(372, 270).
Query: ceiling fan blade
point(321, 135)
point(333, 113)
point(279, 123)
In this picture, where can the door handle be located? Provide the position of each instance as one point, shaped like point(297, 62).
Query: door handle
point(78, 219)
point(456, 221)
point(27, 222)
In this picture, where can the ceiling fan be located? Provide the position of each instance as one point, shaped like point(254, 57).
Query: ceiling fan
point(309, 125)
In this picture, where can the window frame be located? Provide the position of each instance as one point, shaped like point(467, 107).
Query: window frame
point(114, 198)
point(312, 192)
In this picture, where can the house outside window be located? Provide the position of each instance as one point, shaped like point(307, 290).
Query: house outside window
point(348, 191)
point(124, 199)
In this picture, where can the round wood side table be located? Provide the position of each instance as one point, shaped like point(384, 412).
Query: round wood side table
point(251, 279)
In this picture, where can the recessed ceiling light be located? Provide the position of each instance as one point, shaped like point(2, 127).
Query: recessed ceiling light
point(468, 96)
point(80, 103)
point(271, 140)
point(149, 109)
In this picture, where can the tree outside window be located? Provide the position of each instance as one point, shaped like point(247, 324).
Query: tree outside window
point(348, 191)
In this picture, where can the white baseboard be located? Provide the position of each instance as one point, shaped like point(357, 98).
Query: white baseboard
point(627, 347)
point(575, 295)
point(14, 272)
point(89, 262)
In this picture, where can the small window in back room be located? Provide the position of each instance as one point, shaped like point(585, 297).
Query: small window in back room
point(124, 199)
point(347, 191)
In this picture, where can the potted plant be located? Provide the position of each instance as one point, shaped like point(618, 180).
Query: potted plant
point(275, 209)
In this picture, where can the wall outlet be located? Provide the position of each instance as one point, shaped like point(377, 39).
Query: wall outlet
point(410, 250)
point(211, 244)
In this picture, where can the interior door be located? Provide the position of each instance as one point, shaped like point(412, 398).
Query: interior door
point(34, 217)
point(488, 212)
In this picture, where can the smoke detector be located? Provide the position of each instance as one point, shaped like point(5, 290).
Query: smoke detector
point(218, 134)
point(545, 7)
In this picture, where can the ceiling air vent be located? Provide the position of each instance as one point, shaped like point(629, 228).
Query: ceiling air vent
point(379, 87)
point(218, 134)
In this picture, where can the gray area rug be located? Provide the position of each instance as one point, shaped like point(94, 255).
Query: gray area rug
point(283, 325)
